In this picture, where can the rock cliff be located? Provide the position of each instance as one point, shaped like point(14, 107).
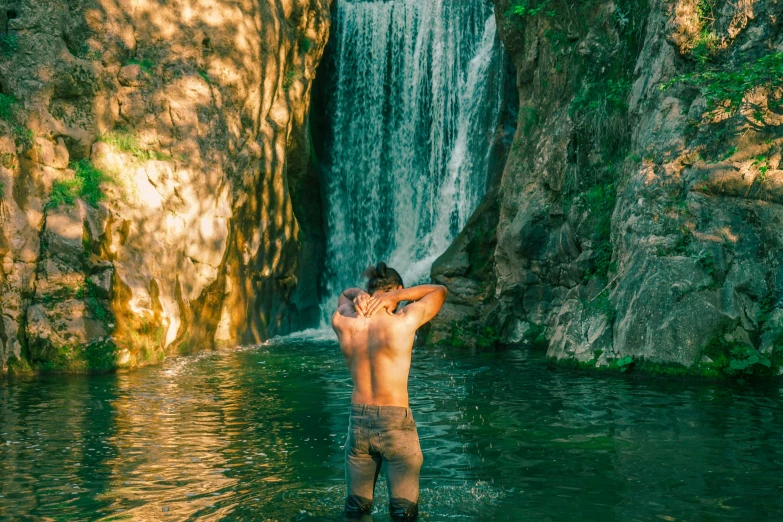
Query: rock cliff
point(638, 219)
point(154, 156)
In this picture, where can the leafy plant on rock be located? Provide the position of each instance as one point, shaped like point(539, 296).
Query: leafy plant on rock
point(707, 43)
point(745, 358)
point(736, 359)
point(623, 364)
point(727, 87)
point(527, 8)
point(762, 164)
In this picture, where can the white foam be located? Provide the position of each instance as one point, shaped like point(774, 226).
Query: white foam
point(311, 334)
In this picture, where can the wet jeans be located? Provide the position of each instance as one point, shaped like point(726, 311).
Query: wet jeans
point(377, 434)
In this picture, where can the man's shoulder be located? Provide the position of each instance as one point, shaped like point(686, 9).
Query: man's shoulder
point(340, 321)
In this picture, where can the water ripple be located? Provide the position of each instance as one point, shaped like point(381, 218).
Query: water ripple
point(259, 432)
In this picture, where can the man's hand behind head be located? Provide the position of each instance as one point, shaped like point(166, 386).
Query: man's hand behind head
point(361, 303)
point(382, 301)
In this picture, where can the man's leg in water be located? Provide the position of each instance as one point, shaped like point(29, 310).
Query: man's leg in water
point(403, 465)
point(361, 473)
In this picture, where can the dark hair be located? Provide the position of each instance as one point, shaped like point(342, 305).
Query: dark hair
point(382, 278)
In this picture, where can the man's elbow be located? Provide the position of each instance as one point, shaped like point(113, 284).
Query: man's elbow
point(444, 291)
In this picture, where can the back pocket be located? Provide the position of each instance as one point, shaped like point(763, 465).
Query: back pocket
point(398, 444)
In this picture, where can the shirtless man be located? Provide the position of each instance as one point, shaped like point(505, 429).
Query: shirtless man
point(376, 340)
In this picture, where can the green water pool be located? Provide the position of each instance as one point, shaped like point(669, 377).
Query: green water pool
point(257, 434)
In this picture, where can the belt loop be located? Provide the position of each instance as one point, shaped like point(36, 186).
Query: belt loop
point(364, 408)
point(407, 412)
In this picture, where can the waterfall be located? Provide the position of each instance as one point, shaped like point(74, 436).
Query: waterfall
point(413, 110)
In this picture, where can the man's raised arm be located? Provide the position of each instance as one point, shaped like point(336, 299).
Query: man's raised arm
point(352, 299)
point(427, 301)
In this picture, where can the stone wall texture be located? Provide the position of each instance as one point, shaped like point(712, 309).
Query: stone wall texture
point(640, 214)
point(148, 152)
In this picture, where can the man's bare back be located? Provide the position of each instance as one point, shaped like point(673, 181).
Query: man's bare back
point(377, 341)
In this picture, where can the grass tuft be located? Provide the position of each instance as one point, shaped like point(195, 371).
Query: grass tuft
point(125, 141)
point(86, 185)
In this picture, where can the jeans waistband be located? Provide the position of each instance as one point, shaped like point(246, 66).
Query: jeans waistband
point(366, 409)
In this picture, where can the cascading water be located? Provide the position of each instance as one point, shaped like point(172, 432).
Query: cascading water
point(415, 105)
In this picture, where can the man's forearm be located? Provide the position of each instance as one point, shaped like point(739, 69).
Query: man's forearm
point(414, 293)
point(349, 295)
point(353, 293)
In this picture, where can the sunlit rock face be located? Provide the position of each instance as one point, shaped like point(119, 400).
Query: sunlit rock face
point(151, 158)
point(640, 211)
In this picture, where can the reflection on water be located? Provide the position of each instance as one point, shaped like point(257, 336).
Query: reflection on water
point(257, 434)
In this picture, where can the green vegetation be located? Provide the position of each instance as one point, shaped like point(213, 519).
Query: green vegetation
point(721, 359)
point(144, 64)
point(485, 337)
point(536, 336)
point(643, 368)
point(610, 96)
point(19, 366)
point(288, 81)
point(707, 43)
point(86, 185)
point(766, 308)
point(101, 356)
point(96, 304)
point(125, 141)
point(600, 201)
point(84, 51)
point(97, 357)
point(737, 360)
point(526, 8)
point(623, 364)
point(727, 87)
point(9, 43)
point(8, 160)
point(762, 164)
point(684, 241)
point(305, 44)
point(529, 117)
point(58, 295)
point(64, 192)
point(603, 304)
point(205, 76)
point(600, 87)
point(10, 114)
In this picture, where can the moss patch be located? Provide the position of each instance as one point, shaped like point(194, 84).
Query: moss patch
point(96, 357)
point(19, 366)
point(461, 336)
point(730, 361)
point(85, 185)
point(124, 140)
point(11, 116)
